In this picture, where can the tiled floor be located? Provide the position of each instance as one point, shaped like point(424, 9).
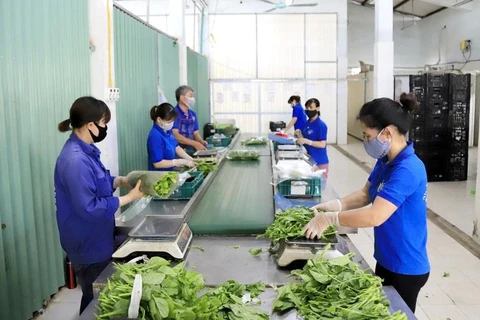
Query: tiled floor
point(456, 297)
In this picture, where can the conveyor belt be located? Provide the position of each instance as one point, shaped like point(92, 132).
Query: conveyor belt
point(239, 200)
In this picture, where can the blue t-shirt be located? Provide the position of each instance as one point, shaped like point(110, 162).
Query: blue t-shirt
point(85, 203)
point(401, 241)
point(299, 113)
point(186, 124)
point(161, 145)
point(316, 131)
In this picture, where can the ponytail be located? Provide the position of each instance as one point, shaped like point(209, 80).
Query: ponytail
point(64, 126)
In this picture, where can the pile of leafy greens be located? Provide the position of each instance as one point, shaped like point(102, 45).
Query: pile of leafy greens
point(172, 293)
point(289, 224)
point(206, 167)
point(335, 289)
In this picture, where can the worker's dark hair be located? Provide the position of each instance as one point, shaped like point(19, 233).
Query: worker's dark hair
point(312, 100)
point(382, 112)
point(182, 90)
point(292, 98)
point(83, 111)
point(165, 111)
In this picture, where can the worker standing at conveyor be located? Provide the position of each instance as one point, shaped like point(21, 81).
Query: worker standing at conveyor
point(84, 194)
point(298, 115)
point(161, 144)
point(185, 127)
point(314, 136)
point(397, 190)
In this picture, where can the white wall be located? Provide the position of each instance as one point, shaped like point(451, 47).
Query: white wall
point(361, 38)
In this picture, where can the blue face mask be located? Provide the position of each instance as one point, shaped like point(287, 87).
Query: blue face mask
point(377, 148)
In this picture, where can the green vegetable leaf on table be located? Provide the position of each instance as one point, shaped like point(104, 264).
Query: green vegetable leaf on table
point(255, 252)
point(205, 167)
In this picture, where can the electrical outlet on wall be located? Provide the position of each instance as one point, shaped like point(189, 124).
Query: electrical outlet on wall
point(112, 94)
point(465, 45)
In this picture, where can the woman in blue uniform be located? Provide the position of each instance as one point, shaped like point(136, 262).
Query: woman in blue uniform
point(397, 190)
point(162, 147)
point(314, 135)
point(298, 115)
point(84, 196)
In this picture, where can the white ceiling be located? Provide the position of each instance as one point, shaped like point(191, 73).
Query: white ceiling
point(419, 8)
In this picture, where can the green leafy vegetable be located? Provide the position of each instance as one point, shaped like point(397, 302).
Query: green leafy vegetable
point(255, 252)
point(240, 155)
point(172, 294)
point(198, 248)
point(164, 186)
point(335, 289)
point(205, 167)
point(446, 274)
point(235, 246)
point(290, 224)
point(154, 183)
point(255, 141)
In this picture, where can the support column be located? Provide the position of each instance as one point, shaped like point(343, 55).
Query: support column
point(205, 33)
point(383, 49)
point(476, 232)
point(342, 74)
point(102, 73)
point(176, 27)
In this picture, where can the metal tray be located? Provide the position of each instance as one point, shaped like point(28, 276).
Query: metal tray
point(205, 153)
point(290, 155)
point(302, 241)
point(288, 147)
point(158, 227)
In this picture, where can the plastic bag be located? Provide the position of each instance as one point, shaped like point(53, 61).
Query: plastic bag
point(292, 169)
point(280, 140)
point(169, 179)
point(242, 155)
point(255, 141)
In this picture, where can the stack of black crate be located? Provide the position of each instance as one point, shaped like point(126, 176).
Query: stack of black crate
point(440, 126)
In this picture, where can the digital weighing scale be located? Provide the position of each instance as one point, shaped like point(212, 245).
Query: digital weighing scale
point(304, 249)
point(289, 147)
point(158, 233)
point(293, 155)
point(206, 153)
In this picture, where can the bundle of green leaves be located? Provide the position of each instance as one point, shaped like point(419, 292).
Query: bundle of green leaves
point(290, 224)
point(335, 289)
point(241, 155)
point(255, 141)
point(205, 167)
point(172, 293)
point(164, 186)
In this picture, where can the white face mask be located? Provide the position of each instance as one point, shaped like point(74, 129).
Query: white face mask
point(166, 126)
point(191, 102)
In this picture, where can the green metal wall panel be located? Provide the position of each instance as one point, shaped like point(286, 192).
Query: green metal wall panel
point(136, 67)
point(168, 63)
point(44, 67)
point(197, 77)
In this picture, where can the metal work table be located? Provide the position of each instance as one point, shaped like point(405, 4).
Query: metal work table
point(238, 199)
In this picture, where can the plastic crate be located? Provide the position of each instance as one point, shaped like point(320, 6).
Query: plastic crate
point(188, 189)
point(437, 80)
point(458, 81)
point(460, 95)
point(459, 134)
point(221, 142)
point(301, 187)
point(437, 108)
point(419, 93)
point(458, 166)
point(437, 123)
point(437, 93)
point(417, 81)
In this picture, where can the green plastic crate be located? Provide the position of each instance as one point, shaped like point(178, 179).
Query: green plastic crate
point(188, 189)
point(222, 142)
point(301, 187)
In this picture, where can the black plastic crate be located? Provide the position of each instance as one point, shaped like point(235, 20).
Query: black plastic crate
point(437, 80)
point(417, 132)
point(419, 93)
point(437, 93)
point(436, 136)
point(458, 120)
point(459, 134)
point(417, 81)
point(436, 108)
point(436, 170)
point(437, 123)
point(459, 81)
point(418, 117)
point(455, 146)
point(459, 95)
point(457, 166)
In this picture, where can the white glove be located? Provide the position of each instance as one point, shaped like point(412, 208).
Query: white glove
point(333, 205)
point(320, 223)
point(183, 163)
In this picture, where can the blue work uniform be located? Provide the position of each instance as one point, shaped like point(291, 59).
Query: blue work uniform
point(401, 241)
point(186, 124)
point(316, 131)
point(85, 203)
point(161, 145)
point(299, 113)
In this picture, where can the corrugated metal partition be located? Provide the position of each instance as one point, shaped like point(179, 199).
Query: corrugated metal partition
point(136, 66)
point(44, 67)
point(199, 81)
point(168, 75)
